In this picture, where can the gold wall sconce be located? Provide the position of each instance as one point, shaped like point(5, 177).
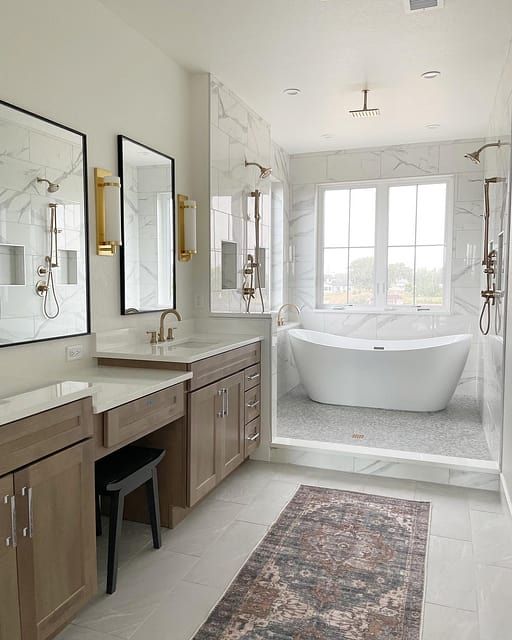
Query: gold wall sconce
point(187, 228)
point(108, 212)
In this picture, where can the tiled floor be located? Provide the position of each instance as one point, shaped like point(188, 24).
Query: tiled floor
point(456, 431)
point(167, 594)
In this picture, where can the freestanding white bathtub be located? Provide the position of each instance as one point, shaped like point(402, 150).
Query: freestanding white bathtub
point(409, 375)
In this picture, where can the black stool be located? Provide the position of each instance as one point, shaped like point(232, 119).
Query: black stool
point(117, 475)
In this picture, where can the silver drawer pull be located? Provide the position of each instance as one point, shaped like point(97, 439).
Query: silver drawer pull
point(11, 541)
point(253, 404)
point(28, 532)
point(226, 395)
point(254, 437)
point(253, 376)
point(220, 414)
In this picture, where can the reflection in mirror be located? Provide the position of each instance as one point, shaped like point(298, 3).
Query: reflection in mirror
point(43, 232)
point(148, 257)
point(228, 265)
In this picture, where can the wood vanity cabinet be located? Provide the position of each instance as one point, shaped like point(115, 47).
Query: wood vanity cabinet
point(10, 621)
point(48, 544)
point(216, 415)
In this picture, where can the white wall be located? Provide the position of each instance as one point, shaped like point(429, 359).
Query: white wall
point(76, 63)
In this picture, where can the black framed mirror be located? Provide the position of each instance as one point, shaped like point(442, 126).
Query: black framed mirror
point(44, 262)
point(148, 255)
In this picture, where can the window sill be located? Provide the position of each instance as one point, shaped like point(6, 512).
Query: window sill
point(385, 312)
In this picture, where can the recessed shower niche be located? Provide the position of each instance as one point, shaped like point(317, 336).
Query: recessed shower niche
point(43, 232)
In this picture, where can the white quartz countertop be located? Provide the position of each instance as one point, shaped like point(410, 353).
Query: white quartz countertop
point(113, 386)
point(46, 397)
point(186, 350)
point(109, 387)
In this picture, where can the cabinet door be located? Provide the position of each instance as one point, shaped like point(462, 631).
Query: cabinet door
point(9, 605)
point(204, 410)
point(56, 539)
point(231, 425)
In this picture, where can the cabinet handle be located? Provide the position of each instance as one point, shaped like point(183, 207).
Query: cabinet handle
point(220, 414)
point(253, 404)
point(254, 437)
point(253, 376)
point(226, 394)
point(28, 532)
point(11, 541)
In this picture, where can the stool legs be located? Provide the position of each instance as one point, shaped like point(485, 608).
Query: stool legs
point(114, 534)
point(154, 509)
point(98, 515)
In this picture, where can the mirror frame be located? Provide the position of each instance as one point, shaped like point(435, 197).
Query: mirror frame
point(85, 173)
point(120, 139)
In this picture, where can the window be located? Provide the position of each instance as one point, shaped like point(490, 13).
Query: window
point(383, 246)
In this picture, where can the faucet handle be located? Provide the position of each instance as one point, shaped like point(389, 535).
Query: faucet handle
point(153, 339)
point(170, 333)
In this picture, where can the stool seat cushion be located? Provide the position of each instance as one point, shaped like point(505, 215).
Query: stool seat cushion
point(123, 464)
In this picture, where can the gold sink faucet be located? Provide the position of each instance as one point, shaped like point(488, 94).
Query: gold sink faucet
point(280, 319)
point(170, 331)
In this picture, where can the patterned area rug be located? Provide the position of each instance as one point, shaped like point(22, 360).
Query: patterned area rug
point(336, 565)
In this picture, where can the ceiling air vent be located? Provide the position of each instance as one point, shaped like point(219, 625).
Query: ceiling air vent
point(421, 5)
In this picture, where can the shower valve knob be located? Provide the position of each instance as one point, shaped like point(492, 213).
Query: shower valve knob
point(41, 288)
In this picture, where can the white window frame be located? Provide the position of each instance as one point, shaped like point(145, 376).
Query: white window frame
point(381, 245)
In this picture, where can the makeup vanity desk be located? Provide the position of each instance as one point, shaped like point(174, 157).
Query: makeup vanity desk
point(203, 412)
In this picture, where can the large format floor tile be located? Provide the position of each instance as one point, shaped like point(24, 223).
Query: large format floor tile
point(451, 574)
point(167, 594)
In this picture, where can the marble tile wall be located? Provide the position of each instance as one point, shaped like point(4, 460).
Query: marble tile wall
point(280, 207)
point(309, 170)
point(497, 162)
point(237, 133)
point(144, 186)
point(28, 153)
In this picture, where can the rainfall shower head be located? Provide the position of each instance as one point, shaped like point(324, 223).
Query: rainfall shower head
point(264, 171)
point(52, 186)
point(365, 112)
point(475, 155)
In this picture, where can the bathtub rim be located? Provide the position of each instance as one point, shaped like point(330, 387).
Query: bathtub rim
point(368, 344)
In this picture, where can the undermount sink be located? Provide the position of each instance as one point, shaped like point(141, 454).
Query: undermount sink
point(192, 344)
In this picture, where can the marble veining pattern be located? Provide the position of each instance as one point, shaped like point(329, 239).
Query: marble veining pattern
point(30, 150)
point(444, 158)
point(237, 133)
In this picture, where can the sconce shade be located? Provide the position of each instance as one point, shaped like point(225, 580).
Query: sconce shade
point(190, 226)
point(187, 234)
point(112, 191)
point(108, 212)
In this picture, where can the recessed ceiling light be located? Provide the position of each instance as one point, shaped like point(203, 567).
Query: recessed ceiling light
point(434, 125)
point(292, 91)
point(430, 75)
point(327, 136)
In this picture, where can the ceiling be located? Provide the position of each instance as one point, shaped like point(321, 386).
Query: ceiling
point(330, 49)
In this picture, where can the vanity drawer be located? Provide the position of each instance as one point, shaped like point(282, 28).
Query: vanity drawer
point(142, 416)
point(252, 404)
point(252, 377)
point(25, 441)
point(252, 436)
point(225, 364)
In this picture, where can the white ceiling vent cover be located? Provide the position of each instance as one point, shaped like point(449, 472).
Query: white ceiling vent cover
point(421, 5)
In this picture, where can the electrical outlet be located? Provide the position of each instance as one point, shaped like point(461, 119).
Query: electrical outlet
point(198, 301)
point(75, 352)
